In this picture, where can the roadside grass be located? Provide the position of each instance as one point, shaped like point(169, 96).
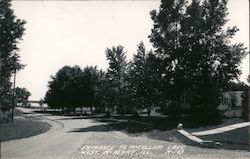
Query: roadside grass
point(59, 112)
point(52, 112)
point(225, 122)
point(235, 139)
point(22, 127)
point(141, 124)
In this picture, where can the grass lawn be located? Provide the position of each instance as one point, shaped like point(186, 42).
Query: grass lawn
point(139, 124)
point(235, 139)
point(22, 127)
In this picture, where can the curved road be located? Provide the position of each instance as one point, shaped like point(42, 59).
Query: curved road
point(72, 138)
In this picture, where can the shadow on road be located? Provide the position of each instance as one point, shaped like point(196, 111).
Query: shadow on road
point(96, 128)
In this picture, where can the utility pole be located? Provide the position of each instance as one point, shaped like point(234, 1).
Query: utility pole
point(13, 96)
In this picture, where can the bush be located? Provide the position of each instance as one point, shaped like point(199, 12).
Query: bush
point(135, 114)
point(107, 114)
point(245, 104)
point(206, 116)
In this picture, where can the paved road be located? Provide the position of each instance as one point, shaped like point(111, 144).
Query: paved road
point(88, 139)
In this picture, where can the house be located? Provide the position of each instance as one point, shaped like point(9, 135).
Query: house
point(231, 100)
point(231, 103)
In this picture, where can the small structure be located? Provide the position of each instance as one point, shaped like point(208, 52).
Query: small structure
point(231, 104)
point(230, 100)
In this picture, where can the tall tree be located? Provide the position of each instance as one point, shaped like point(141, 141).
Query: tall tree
point(73, 87)
point(11, 31)
point(142, 80)
point(116, 74)
point(197, 54)
point(137, 77)
point(165, 37)
point(90, 79)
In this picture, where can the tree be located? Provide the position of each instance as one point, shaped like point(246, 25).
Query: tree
point(137, 77)
point(102, 93)
point(143, 79)
point(54, 94)
point(62, 92)
point(90, 79)
point(164, 37)
point(196, 52)
point(11, 31)
point(22, 95)
point(248, 79)
point(245, 97)
point(116, 75)
point(71, 88)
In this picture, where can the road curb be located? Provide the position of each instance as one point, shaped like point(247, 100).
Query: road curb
point(198, 141)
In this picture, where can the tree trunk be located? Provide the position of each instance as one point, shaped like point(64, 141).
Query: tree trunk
point(122, 110)
point(149, 112)
point(62, 110)
point(92, 113)
point(178, 106)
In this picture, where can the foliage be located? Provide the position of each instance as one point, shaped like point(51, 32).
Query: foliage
point(248, 79)
point(196, 53)
point(245, 111)
point(116, 77)
point(65, 89)
point(11, 31)
point(89, 81)
point(143, 79)
point(55, 95)
point(22, 95)
point(102, 93)
point(193, 56)
point(71, 87)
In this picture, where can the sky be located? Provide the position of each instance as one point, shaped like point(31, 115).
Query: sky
point(60, 33)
